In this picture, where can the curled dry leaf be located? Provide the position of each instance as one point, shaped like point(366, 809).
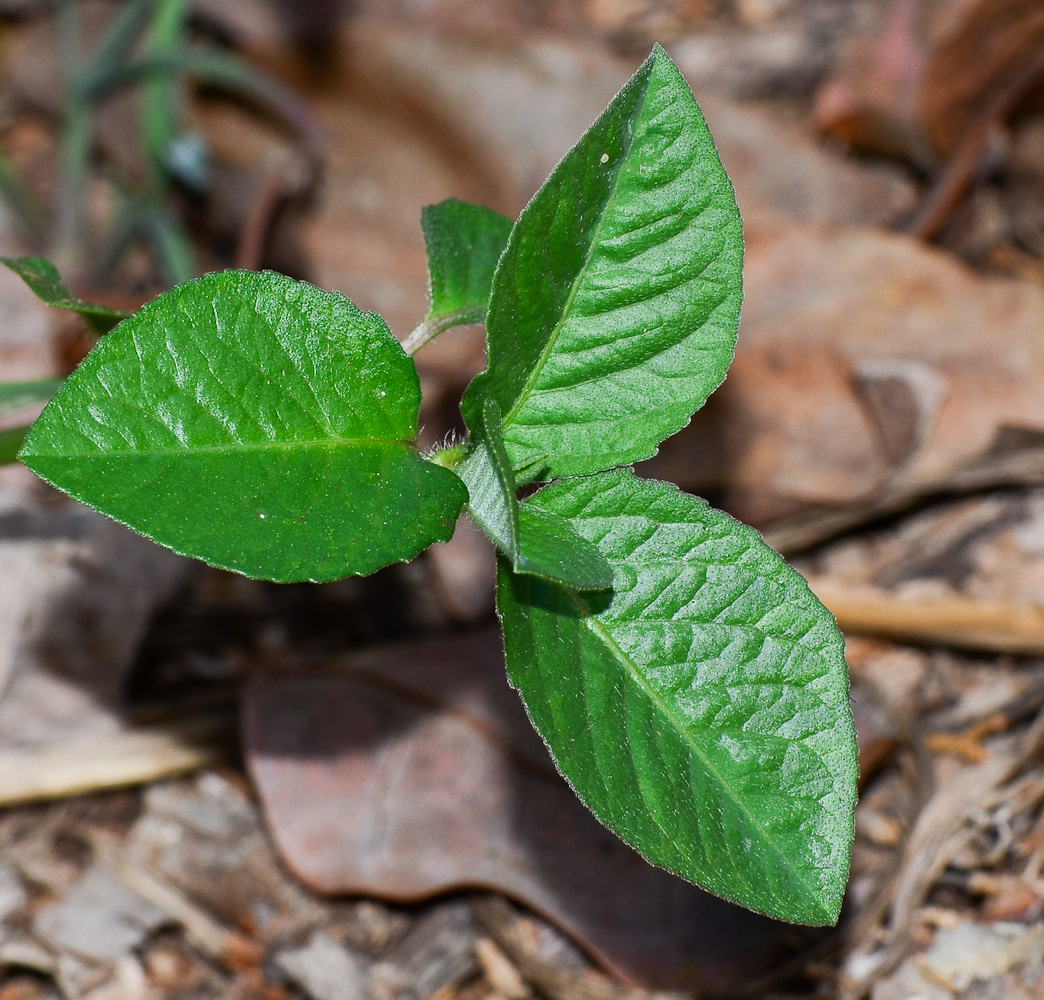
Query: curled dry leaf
point(925, 75)
point(871, 101)
point(980, 48)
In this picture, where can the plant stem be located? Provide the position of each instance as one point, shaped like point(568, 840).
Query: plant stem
point(75, 141)
point(28, 212)
point(429, 329)
point(162, 95)
point(175, 254)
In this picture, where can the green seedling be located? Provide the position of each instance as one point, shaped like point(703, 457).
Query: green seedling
point(145, 48)
point(689, 686)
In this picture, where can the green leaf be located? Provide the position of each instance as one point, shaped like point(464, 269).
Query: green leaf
point(492, 493)
point(255, 422)
point(536, 541)
point(171, 245)
point(614, 308)
point(464, 243)
point(16, 396)
point(10, 441)
point(701, 709)
point(118, 38)
point(549, 547)
point(45, 281)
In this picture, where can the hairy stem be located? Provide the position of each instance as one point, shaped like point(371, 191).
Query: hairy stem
point(429, 329)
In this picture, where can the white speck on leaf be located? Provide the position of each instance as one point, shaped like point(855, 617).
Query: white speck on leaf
point(605, 157)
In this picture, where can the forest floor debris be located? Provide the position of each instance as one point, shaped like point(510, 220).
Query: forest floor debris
point(883, 423)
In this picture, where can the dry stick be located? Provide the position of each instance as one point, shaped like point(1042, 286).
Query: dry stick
point(938, 835)
point(123, 759)
point(959, 173)
point(499, 920)
point(964, 622)
point(212, 938)
point(1024, 467)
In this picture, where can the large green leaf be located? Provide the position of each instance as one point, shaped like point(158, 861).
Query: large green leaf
point(45, 281)
point(464, 243)
point(614, 308)
point(701, 709)
point(534, 540)
point(255, 422)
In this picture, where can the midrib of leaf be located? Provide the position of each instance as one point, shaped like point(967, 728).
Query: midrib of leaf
point(531, 379)
point(654, 696)
point(220, 449)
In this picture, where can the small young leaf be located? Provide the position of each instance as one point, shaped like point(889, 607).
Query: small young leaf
point(701, 709)
point(486, 471)
point(45, 281)
point(614, 308)
point(257, 423)
point(550, 548)
point(536, 541)
point(464, 244)
point(16, 396)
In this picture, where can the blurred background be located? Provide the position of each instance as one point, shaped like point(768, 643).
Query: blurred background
point(216, 787)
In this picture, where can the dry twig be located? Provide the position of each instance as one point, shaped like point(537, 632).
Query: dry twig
point(957, 176)
point(202, 930)
point(964, 622)
point(288, 180)
point(993, 470)
point(942, 830)
point(504, 926)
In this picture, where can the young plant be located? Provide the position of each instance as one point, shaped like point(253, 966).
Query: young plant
point(689, 686)
point(146, 47)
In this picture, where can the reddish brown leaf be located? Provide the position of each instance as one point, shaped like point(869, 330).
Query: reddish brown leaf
point(871, 102)
point(981, 47)
point(414, 771)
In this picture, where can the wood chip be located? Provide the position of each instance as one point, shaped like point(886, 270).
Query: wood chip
point(325, 970)
point(100, 920)
point(202, 930)
point(510, 933)
point(439, 951)
point(503, 976)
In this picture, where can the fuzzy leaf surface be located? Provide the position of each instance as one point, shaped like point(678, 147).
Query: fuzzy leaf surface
point(45, 281)
point(257, 423)
point(464, 243)
point(701, 709)
point(614, 308)
point(535, 541)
